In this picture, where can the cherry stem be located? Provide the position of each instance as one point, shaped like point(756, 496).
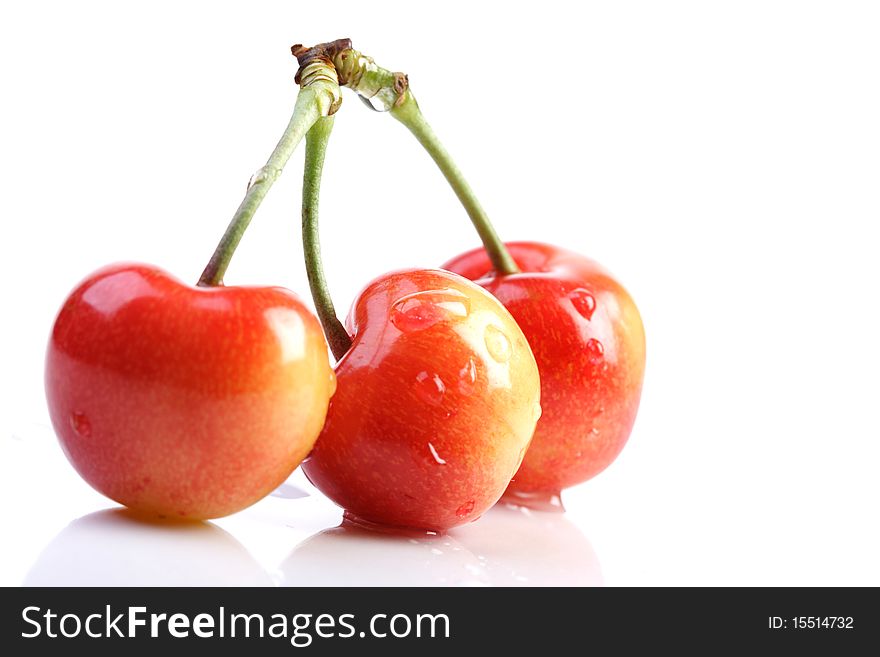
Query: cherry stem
point(316, 150)
point(318, 96)
point(384, 90)
point(407, 111)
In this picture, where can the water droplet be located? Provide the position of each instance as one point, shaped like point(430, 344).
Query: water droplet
point(467, 377)
point(498, 344)
point(534, 501)
point(594, 431)
point(437, 458)
point(536, 412)
point(262, 175)
point(357, 525)
point(382, 101)
point(583, 302)
point(421, 310)
point(465, 509)
point(595, 351)
point(80, 424)
point(430, 388)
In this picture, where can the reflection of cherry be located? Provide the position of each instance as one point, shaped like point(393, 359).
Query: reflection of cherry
point(117, 547)
point(436, 402)
point(438, 391)
point(350, 555)
point(185, 401)
point(587, 336)
point(520, 547)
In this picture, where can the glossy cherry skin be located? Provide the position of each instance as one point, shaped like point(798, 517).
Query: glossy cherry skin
point(436, 402)
point(182, 401)
point(589, 342)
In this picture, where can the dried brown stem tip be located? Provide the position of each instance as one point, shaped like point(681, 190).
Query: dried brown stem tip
point(325, 52)
point(401, 84)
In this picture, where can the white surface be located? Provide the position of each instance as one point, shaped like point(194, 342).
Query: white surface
point(720, 158)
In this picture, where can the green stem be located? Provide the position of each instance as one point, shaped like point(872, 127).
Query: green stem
point(316, 150)
point(406, 110)
point(384, 90)
point(319, 96)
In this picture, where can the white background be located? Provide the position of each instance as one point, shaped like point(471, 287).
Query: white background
point(722, 158)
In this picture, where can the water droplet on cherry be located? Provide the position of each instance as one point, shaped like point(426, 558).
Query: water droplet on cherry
point(583, 302)
point(437, 457)
point(595, 351)
point(80, 424)
point(594, 431)
point(536, 412)
point(465, 509)
point(498, 344)
point(467, 377)
point(430, 388)
point(421, 310)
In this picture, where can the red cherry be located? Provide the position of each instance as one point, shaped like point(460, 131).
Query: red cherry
point(437, 400)
point(185, 401)
point(587, 337)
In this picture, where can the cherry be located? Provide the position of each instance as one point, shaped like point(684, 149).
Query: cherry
point(436, 402)
point(183, 401)
point(587, 337)
point(437, 390)
point(193, 402)
point(583, 327)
